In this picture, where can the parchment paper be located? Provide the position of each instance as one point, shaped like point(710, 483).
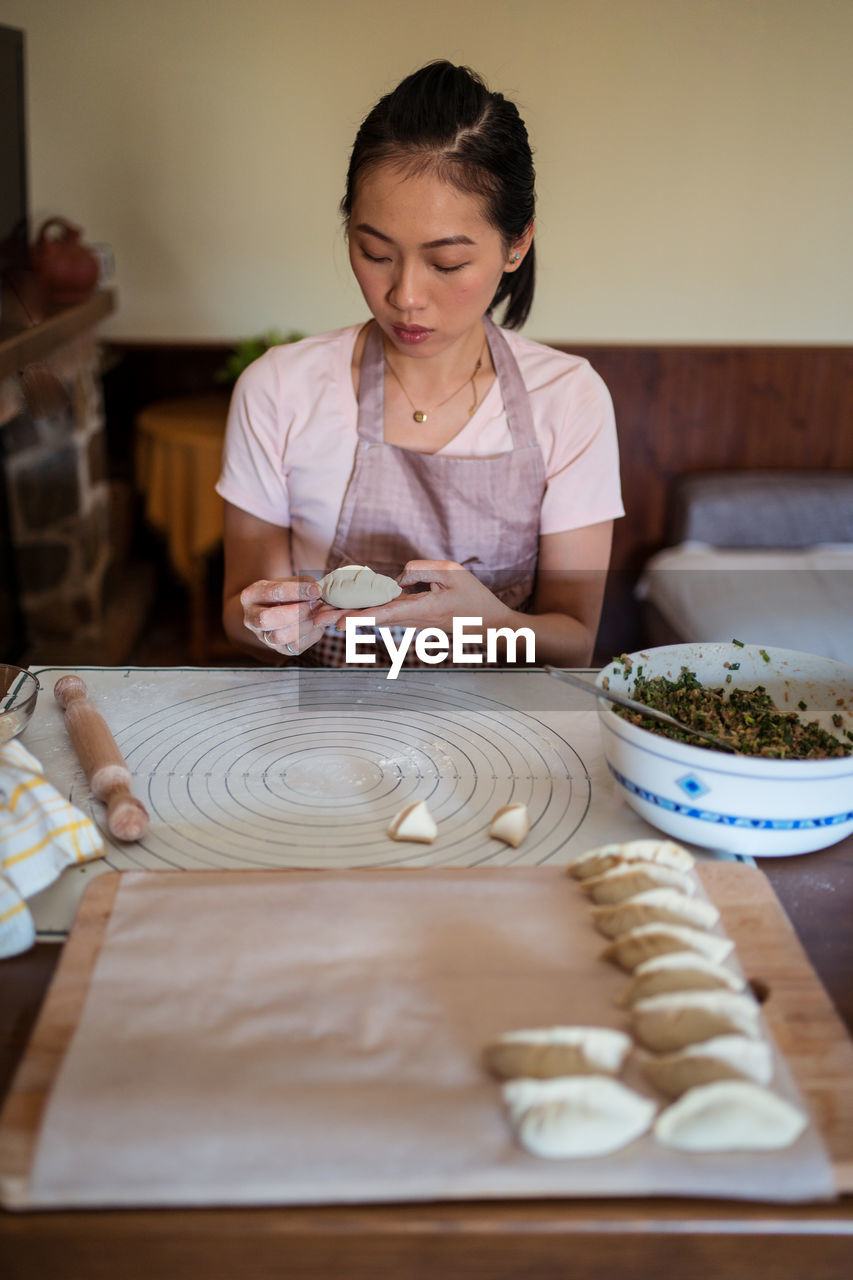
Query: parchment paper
point(315, 1037)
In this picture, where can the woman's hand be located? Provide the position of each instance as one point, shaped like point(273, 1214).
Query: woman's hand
point(564, 612)
point(277, 610)
point(282, 614)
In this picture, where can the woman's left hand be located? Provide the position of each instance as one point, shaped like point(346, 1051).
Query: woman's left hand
point(451, 592)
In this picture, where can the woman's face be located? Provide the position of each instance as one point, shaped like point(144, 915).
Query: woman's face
point(426, 259)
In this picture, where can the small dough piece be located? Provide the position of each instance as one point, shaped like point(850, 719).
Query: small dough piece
point(511, 824)
point(665, 1023)
point(630, 949)
point(596, 861)
point(679, 971)
point(355, 586)
point(576, 1115)
point(720, 1058)
point(414, 822)
point(730, 1115)
point(557, 1051)
point(664, 906)
point(627, 879)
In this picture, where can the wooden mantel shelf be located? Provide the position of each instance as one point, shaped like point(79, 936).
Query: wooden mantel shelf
point(35, 343)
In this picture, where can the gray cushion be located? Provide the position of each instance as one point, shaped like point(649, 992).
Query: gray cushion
point(764, 508)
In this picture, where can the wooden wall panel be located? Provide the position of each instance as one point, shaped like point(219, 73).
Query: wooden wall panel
point(692, 409)
point(686, 409)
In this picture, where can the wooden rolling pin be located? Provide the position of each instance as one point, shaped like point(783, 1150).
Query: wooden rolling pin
point(104, 765)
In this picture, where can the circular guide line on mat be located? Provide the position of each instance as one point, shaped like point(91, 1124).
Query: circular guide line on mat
point(309, 772)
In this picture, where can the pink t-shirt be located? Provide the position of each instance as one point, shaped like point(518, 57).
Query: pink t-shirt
point(292, 432)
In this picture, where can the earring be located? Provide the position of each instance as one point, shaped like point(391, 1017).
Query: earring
point(516, 257)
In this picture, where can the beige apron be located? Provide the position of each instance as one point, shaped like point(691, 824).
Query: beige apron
point(401, 505)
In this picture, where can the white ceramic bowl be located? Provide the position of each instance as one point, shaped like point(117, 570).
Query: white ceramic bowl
point(736, 804)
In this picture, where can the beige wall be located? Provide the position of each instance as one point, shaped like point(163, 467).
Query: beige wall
point(694, 157)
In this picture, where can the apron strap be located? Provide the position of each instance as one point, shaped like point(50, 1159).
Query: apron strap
point(513, 390)
point(371, 388)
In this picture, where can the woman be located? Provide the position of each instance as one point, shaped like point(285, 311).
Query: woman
point(477, 467)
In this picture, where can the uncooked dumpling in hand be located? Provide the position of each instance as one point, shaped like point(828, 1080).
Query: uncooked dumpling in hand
point(355, 586)
point(730, 1115)
point(720, 1058)
point(665, 1023)
point(576, 1115)
point(558, 1051)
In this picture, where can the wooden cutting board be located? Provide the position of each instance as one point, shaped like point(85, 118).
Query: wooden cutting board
point(800, 1014)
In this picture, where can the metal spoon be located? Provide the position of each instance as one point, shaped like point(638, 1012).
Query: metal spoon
point(622, 700)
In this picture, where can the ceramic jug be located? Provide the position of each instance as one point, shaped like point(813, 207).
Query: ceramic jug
point(67, 270)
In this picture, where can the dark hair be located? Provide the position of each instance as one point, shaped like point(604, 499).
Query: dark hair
point(444, 118)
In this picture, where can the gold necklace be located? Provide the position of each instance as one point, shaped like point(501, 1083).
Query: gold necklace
point(421, 415)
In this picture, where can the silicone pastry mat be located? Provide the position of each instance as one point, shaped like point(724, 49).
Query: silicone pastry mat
point(253, 769)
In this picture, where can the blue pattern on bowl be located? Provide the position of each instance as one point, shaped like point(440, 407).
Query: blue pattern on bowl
point(726, 819)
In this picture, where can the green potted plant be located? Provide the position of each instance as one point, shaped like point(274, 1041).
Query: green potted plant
point(248, 349)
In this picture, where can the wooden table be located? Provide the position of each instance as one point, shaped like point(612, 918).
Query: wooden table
point(628, 1238)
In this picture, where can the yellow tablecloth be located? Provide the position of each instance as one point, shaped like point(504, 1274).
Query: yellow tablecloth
point(178, 456)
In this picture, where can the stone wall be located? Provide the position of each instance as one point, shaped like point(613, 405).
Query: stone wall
point(59, 502)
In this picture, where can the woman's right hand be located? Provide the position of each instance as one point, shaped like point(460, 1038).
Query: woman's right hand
point(281, 613)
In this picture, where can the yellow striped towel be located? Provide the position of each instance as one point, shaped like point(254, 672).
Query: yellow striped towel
point(40, 835)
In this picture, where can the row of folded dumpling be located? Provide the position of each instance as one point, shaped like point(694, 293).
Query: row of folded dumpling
point(696, 1021)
